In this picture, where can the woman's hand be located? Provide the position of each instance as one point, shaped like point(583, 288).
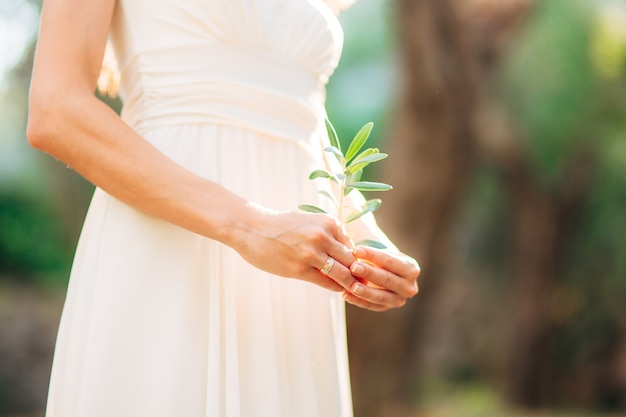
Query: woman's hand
point(389, 279)
point(296, 245)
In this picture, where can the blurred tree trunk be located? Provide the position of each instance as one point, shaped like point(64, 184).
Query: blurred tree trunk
point(543, 221)
point(431, 154)
point(527, 371)
point(448, 53)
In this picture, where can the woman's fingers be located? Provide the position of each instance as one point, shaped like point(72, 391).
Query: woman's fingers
point(323, 281)
point(398, 264)
point(330, 243)
point(383, 299)
point(392, 279)
point(339, 271)
point(404, 286)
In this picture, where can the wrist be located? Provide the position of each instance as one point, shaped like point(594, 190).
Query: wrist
point(244, 221)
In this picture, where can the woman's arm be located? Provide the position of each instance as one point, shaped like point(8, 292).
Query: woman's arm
point(67, 121)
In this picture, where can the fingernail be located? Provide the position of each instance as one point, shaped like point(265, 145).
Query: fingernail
point(357, 289)
point(357, 268)
point(359, 252)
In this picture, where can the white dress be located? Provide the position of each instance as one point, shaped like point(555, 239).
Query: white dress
point(159, 321)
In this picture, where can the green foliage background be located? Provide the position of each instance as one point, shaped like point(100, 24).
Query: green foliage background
point(564, 84)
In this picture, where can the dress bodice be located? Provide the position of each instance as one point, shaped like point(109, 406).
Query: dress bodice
point(261, 62)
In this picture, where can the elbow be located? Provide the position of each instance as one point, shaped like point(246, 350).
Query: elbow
point(44, 113)
point(35, 134)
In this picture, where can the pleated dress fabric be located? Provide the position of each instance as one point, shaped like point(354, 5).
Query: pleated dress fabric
point(162, 322)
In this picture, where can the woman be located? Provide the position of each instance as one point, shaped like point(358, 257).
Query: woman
point(196, 289)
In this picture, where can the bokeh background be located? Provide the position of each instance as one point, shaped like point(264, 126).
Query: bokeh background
point(505, 121)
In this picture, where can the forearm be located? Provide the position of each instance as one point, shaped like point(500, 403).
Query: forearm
point(86, 135)
point(67, 121)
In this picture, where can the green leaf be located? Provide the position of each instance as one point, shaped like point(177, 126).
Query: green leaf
point(367, 186)
point(371, 243)
point(361, 163)
point(368, 207)
point(372, 157)
point(332, 134)
point(359, 140)
point(311, 209)
point(334, 151)
point(366, 152)
point(321, 173)
point(329, 196)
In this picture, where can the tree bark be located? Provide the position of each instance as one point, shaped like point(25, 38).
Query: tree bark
point(449, 53)
point(431, 158)
point(543, 222)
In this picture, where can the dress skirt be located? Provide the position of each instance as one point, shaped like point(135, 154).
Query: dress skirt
point(162, 322)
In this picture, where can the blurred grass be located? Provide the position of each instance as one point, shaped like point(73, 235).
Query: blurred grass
point(476, 400)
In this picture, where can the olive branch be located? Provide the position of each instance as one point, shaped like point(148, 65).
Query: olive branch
point(349, 178)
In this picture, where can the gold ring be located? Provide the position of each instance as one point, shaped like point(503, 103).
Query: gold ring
point(328, 265)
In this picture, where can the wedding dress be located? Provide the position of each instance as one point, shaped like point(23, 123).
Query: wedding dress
point(159, 321)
